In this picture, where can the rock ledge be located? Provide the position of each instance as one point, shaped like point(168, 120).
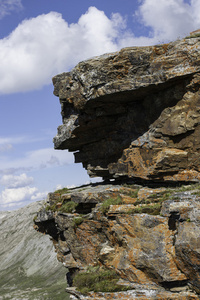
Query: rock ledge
point(134, 113)
point(148, 235)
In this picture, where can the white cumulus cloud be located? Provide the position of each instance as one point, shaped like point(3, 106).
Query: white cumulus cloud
point(15, 181)
point(18, 191)
point(46, 45)
point(169, 19)
point(15, 197)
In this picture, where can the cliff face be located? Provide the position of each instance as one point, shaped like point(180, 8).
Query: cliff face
point(134, 113)
point(148, 236)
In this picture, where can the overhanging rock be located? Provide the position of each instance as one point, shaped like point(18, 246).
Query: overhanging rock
point(134, 113)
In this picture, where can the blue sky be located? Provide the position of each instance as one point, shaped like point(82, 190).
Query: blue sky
point(39, 39)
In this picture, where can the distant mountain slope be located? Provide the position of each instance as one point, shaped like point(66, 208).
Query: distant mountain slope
point(28, 265)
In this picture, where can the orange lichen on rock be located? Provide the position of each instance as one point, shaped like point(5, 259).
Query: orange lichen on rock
point(135, 112)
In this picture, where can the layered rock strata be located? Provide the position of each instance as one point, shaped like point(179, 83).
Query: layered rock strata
point(149, 236)
point(134, 113)
point(28, 265)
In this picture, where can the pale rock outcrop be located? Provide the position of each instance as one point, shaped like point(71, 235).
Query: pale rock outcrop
point(28, 265)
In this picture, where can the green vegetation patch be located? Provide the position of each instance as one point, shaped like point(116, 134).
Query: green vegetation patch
point(190, 187)
point(52, 207)
point(62, 191)
point(58, 202)
point(133, 193)
point(196, 193)
point(156, 198)
point(77, 221)
point(98, 281)
point(153, 209)
point(151, 205)
point(108, 202)
point(68, 207)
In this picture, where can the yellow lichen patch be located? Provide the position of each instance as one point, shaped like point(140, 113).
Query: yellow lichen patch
point(127, 199)
point(117, 209)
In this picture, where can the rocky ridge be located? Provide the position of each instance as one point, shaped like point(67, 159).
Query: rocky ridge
point(148, 235)
point(134, 113)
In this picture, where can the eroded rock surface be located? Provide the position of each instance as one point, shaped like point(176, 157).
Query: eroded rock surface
point(134, 113)
point(28, 265)
point(148, 235)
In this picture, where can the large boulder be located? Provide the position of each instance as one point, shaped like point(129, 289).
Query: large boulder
point(134, 113)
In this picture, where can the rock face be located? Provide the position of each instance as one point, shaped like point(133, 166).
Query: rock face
point(149, 236)
point(28, 265)
point(134, 113)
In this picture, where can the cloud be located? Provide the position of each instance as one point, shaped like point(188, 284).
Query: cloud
point(8, 142)
point(12, 140)
point(47, 157)
point(18, 191)
point(46, 45)
point(168, 20)
point(11, 171)
point(7, 6)
point(42, 47)
point(35, 160)
point(17, 194)
point(15, 197)
point(16, 181)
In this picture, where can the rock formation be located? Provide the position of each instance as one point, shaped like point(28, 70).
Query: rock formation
point(29, 268)
point(134, 113)
point(149, 236)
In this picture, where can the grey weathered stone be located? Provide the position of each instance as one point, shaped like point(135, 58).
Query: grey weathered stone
point(28, 262)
